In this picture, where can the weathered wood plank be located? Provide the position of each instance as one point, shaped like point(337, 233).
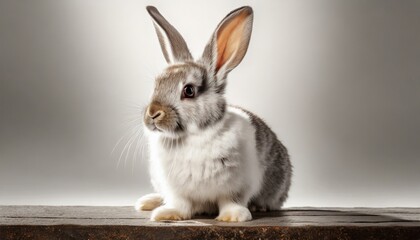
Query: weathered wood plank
point(26, 215)
point(41, 222)
point(212, 232)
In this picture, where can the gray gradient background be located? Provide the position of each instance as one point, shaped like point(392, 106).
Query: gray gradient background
point(338, 81)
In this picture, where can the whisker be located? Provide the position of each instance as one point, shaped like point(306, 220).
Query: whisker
point(138, 145)
point(144, 148)
point(133, 163)
point(136, 119)
point(136, 136)
point(125, 146)
point(118, 142)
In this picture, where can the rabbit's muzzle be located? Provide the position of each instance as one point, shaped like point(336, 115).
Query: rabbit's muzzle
point(162, 118)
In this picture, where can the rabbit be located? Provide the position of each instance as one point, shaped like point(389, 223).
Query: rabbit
point(208, 157)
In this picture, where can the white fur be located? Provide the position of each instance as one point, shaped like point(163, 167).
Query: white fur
point(192, 178)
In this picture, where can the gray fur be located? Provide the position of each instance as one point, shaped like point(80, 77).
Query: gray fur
point(274, 157)
point(178, 47)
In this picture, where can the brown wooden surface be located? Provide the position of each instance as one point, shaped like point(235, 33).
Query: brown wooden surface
point(48, 222)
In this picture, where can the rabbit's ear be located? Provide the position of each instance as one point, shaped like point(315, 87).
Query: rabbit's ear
point(173, 45)
point(229, 43)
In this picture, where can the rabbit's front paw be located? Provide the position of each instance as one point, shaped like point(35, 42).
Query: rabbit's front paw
point(235, 214)
point(166, 214)
point(149, 202)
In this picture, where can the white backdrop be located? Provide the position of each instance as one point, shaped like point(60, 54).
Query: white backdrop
point(338, 81)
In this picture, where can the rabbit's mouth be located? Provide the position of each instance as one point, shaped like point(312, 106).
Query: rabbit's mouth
point(154, 128)
point(173, 131)
point(162, 118)
point(170, 127)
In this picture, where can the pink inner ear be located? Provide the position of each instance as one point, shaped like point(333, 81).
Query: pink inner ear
point(229, 38)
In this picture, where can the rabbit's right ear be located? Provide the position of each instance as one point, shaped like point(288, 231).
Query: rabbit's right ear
point(173, 45)
point(229, 43)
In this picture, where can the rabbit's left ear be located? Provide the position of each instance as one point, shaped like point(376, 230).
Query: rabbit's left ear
point(229, 43)
point(173, 45)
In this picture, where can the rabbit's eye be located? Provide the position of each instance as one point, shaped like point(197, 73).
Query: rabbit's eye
point(189, 91)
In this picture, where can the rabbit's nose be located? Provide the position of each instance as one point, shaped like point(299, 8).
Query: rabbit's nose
point(155, 112)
